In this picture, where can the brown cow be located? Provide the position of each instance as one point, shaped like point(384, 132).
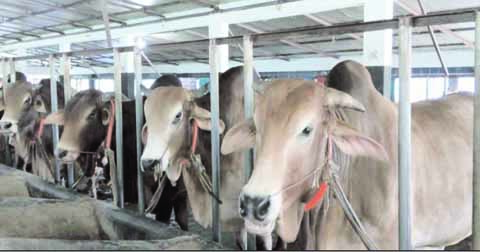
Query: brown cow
point(291, 123)
point(85, 121)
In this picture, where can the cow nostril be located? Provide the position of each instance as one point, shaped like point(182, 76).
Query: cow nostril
point(262, 209)
point(6, 125)
point(149, 163)
point(243, 210)
point(61, 154)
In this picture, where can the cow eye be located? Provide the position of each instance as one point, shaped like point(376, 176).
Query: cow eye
point(178, 117)
point(92, 115)
point(307, 131)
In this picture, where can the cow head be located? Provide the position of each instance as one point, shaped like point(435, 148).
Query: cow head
point(290, 127)
point(25, 102)
point(18, 99)
point(169, 112)
point(85, 120)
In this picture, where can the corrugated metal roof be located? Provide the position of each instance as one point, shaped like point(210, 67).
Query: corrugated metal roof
point(27, 19)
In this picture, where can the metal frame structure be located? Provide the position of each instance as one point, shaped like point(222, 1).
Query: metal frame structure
point(404, 24)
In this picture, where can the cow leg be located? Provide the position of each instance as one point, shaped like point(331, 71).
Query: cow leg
point(241, 238)
point(181, 211)
point(164, 208)
point(280, 245)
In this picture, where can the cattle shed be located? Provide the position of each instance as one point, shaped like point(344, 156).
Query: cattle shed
point(416, 52)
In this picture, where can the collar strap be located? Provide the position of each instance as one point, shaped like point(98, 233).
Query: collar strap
point(317, 197)
point(111, 121)
point(41, 125)
point(322, 189)
point(194, 136)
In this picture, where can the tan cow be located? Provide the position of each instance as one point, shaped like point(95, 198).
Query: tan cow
point(169, 114)
point(291, 122)
point(24, 108)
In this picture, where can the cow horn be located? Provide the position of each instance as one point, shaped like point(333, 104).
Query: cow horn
point(259, 86)
point(335, 98)
point(110, 95)
point(197, 93)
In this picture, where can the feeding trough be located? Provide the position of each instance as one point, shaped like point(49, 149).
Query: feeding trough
point(35, 214)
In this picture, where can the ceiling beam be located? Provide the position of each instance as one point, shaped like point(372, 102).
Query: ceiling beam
point(308, 48)
point(232, 13)
point(322, 21)
point(402, 4)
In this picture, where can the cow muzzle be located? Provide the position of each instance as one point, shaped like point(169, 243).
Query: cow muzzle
point(149, 164)
point(7, 127)
point(67, 156)
point(258, 212)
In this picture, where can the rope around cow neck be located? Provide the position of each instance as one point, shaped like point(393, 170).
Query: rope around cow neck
point(330, 179)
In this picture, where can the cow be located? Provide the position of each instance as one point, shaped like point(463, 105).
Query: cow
point(85, 121)
point(171, 113)
point(166, 80)
point(293, 123)
point(25, 106)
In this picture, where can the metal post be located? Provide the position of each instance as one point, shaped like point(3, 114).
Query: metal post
point(215, 138)
point(427, 88)
point(67, 89)
point(249, 97)
point(91, 83)
point(139, 122)
point(476, 141)
point(118, 124)
point(13, 75)
point(434, 41)
point(53, 95)
point(9, 157)
point(5, 77)
point(404, 135)
point(445, 85)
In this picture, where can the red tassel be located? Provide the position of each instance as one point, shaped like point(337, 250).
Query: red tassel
point(317, 197)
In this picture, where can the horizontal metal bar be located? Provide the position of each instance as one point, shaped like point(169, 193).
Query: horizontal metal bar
point(434, 18)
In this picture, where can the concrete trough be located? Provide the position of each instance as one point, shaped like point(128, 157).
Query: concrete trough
point(35, 214)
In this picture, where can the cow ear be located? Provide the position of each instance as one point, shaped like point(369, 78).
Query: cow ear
point(239, 137)
point(203, 119)
point(106, 116)
point(352, 142)
point(144, 134)
point(55, 118)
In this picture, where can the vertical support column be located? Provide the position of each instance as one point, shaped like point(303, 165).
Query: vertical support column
point(4, 76)
point(53, 95)
point(476, 141)
point(215, 138)
point(220, 29)
point(249, 96)
point(138, 124)
point(13, 74)
point(377, 46)
point(91, 83)
point(8, 155)
point(127, 60)
point(67, 89)
point(65, 64)
point(404, 136)
point(117, 76)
